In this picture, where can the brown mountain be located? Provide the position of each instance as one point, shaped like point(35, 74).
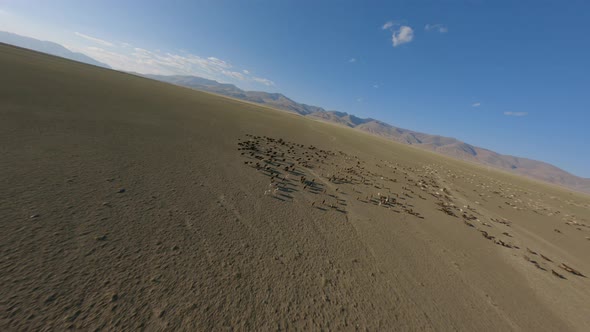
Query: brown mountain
point(445, 145)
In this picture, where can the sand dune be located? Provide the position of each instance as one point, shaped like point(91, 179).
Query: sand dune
point(129, 204)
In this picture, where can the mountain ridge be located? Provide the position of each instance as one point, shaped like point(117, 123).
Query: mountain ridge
point(448, 146)
point(47, 47)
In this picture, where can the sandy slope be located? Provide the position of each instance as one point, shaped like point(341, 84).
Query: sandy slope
point(128, 203)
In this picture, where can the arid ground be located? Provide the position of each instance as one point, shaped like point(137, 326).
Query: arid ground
point(130, 204)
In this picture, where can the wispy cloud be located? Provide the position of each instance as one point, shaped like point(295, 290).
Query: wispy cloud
point(376, 86)
point(234, 74)
point(403, 35)
point(94, 39)
point(360, 100)
point(387, 25)
point(478, 104)
point(516, 113)
point(264, 81)
point(352, 60)
point(218, 62)
point(436, 27)
point(144, 61)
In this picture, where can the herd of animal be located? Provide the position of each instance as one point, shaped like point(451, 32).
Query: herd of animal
point(335, 177)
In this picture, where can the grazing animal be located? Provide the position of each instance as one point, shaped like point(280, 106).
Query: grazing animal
point(557, 274)
point(571, 270)
point(545, 258)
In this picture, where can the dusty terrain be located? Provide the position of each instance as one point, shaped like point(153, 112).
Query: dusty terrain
point(131, 204)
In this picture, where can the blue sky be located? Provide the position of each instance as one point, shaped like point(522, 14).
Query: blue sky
point(511, 76)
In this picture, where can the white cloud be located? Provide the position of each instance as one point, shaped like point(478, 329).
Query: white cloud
point(387, 25)
point(478, 104)
point(94, 39)
point(359, 100)
point(155, 62)
point(376, 86)
point(403, 35)
point(264, 81)
point(218, 62)
point(437, 27)
point(352, 60)
point(516, 113)
point(234, 74)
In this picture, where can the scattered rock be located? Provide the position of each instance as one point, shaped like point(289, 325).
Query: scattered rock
point(73, 316)
point(161, 313)
point(50, 298)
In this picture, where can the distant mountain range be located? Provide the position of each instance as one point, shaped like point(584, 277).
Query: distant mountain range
point(47, 47)
point(444, 145)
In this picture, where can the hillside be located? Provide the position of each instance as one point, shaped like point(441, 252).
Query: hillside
point(131, 204)
point(445, 145)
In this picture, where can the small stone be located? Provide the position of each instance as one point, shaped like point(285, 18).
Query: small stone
point(50, 298)
point(35, 216)
point(122, 190)
point(101, 238)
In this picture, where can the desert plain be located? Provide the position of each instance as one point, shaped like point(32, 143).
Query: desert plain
point(131, 204)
